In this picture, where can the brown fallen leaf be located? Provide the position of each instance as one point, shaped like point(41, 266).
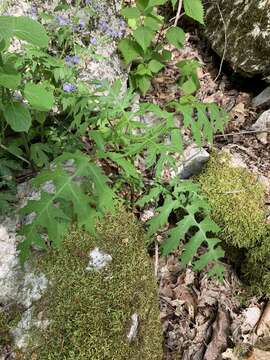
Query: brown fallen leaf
point(186, 295)
point(218, 344)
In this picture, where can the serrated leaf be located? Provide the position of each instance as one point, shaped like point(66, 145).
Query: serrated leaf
point(130, 12)
point(144, 36)
point(194, 9)
point(39, 97)
point(54, 219)
point(164, 211)
point(17, 116)
point(126, 165)
point(176, 235)
point(151, 196)
point(176, 36)
point(129, 50)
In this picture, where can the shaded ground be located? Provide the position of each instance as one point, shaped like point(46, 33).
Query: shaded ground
point(203, 319)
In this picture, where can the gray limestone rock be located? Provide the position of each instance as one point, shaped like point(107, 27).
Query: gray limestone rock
point(263, 99)
point(194, 160)
point(247, 25)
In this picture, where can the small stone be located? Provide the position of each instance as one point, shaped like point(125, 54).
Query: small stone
point(262, 124)
point(133, 332)
point(98, 260)
point(252, 316)
point(263, 330)
point(194, 160)
point(263, 99)
point(258, 354)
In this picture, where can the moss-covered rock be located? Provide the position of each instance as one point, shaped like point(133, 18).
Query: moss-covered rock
point(237, 202)
point(91, 311)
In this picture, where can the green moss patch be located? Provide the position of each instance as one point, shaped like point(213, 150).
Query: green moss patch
point(90, 311)
point(237, 201)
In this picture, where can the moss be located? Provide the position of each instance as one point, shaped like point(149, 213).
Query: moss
point(91, 311)
point(9, 317)
point(237, 202)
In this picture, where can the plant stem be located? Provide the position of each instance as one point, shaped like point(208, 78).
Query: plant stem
point(18, 156)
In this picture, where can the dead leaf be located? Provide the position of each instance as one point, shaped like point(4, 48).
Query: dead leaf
point(220, 335)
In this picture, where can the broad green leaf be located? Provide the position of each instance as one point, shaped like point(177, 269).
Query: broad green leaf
point(129, 50)
point(142, 4)
point(143, 83)
point(23, 28)
point(9, 80)
point(176, 36)
point(6, 27)
point(152, 23)
point(30, 31)
point(189, 87)
point(152, 3)
point(130, 12)
point(142, 70)
point(155, 66)
point(194, 9)
point(17, 116)
point(144, 36)
point(39, 97)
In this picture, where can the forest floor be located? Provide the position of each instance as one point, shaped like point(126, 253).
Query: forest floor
point(204, 319)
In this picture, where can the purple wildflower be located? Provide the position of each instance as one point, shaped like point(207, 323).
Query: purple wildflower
point(93, 41)
point(68, 60)
point(81, 24)
point(87, 2)
point(34, 12)
point(72, 60)
point(122, 22)
point(62, 21)
point(76, 60)
point(68, 87)
point(104, 26)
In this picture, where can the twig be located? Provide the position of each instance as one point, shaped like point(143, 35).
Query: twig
point(156, 259)
point(18, 156)
point(178, 12)
point(246, 132)
point(225, 43)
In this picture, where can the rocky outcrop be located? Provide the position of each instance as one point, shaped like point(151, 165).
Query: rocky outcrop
point(240, 30)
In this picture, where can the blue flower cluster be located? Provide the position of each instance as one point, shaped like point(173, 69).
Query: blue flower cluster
point(69, 88)
point(112, 32)
point(62, 21)
point(72, 60)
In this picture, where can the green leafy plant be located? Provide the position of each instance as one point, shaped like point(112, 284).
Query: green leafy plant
point(78, 190)
point(143, 48)
point(194, 228)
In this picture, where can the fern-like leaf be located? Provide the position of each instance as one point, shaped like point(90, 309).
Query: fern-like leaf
point(54, 211)
point(192, 232)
